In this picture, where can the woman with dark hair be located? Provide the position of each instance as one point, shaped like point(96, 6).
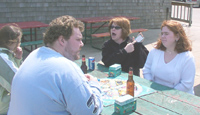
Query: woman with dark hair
point(122, 49)
point(11, 56)
point(171, 62)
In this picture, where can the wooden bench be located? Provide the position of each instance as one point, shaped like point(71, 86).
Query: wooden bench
point(31, 43)
point(38, 42)
point(107, 34)
point(96, 26)
point(26, 33)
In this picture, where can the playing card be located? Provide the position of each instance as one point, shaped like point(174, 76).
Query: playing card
point(139, 38)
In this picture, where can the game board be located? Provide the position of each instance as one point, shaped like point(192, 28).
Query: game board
point(113, 88)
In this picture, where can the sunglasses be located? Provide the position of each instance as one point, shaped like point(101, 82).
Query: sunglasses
point(116, 27)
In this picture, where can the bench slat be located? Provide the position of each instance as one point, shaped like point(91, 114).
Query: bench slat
point(38, 42)
point(27, 32)
point(99, 35)
point(97, 26)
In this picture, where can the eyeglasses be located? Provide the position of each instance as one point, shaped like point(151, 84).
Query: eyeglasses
point(116, 27)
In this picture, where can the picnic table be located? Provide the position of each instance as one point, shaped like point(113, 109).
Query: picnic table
point(29, 25)
point(96, 23)
point(161, 100)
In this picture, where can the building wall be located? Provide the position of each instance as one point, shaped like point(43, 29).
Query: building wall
point(151, 12)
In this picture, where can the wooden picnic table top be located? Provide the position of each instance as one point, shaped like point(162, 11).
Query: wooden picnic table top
point(103, 19)
point(164, 100)
point(26, 25)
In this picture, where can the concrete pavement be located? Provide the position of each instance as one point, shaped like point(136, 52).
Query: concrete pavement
point(193, 32)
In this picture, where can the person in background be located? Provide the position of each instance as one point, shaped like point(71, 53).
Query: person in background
point(171, 62)
point(49, 82)
point(10, 60)
point(122, 49)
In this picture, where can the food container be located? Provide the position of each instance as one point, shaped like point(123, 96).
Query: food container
point(125, 104)
point(114, 70)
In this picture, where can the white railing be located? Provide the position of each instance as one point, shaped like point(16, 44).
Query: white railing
point(181, 11)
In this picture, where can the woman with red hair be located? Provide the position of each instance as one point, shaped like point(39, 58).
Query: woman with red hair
point(122, 49)
point(171, 62)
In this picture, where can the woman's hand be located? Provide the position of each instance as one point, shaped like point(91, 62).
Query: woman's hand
point(18, 53)
point(130, 47)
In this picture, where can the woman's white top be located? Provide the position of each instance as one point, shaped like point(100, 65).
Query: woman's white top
point(179, 73)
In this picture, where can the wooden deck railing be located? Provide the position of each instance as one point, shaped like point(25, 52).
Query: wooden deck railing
point(181, 11)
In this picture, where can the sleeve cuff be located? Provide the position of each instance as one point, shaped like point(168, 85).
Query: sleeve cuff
point(18, 61)
point(123, 51)
point(96, 85)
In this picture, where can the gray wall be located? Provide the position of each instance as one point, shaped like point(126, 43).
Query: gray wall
point(151, 12)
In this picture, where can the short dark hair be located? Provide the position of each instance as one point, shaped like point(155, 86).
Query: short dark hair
point(9, 34)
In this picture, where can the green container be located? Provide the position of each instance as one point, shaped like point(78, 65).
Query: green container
point(125, 104)
point(115, 70)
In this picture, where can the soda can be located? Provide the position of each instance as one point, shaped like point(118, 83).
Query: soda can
point(91, 63)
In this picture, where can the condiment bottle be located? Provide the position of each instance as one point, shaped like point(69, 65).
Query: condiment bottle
point(130, 83)
point(84, 66)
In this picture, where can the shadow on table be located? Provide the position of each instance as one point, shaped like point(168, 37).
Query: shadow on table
point(197, 90)
point(159, 87)
point(102, 67)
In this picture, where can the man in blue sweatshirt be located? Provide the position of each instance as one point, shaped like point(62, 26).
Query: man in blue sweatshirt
point(49, 82)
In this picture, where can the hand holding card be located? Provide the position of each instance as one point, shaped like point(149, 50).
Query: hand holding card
point(139, 38)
